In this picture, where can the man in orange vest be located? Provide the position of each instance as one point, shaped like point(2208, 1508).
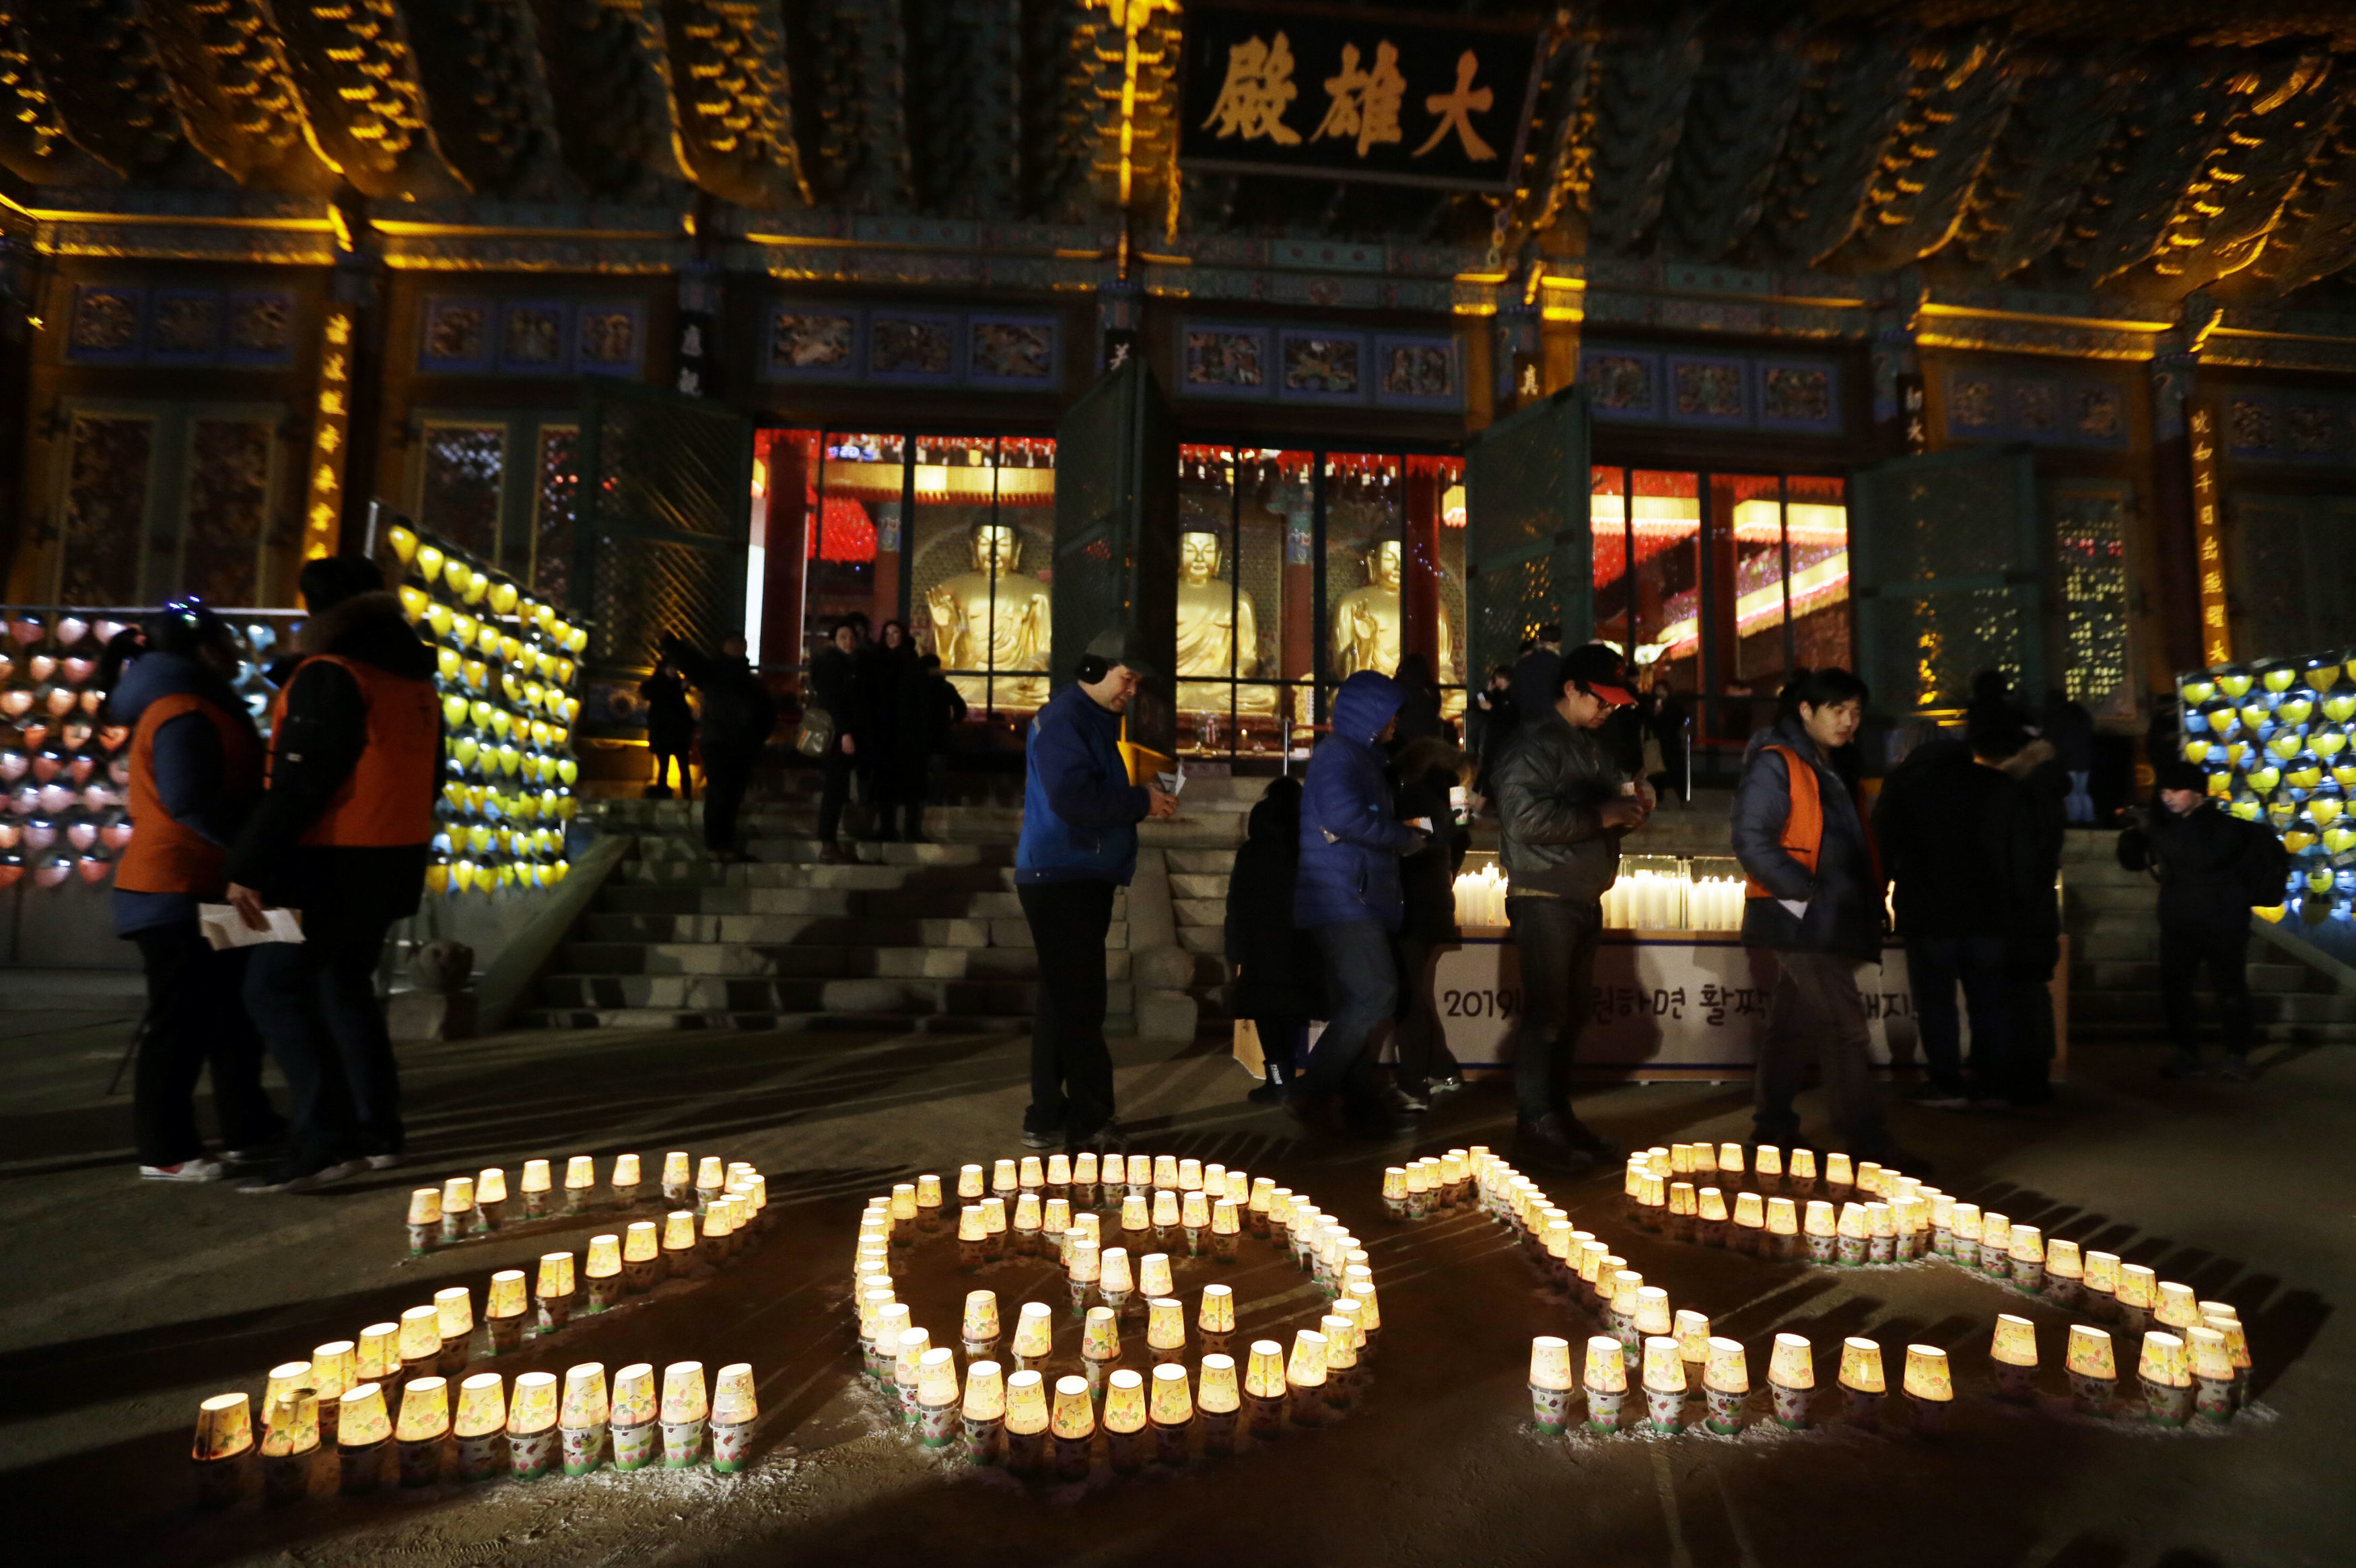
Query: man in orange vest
point(1816, 903)
point(342, 835)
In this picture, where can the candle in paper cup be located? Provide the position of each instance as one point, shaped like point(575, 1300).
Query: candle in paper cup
point(1550, 1385)
point(983, 1411)
point(1074, 1423)
point(1114, 1279)
point(490, 1193)
point(2212, 1372)
point(1653, 1314)
point(1101, 1334)
point(1034, 1333)
point(1836, 1168)
point(936, 1397)
point(1153, 1274)
point(1725, 1383)
point(1928, 1388)
point(1165, 1327)
point(2176, 1309)
point(1171, 1406)
point(1692, 1334)
point(376, 1358)
point(1862, 1380)
point(981, 1328)
point(907, 1364)
point(2164, 1372)
point(1304, 1377)
point(1853, 1234)
point(2092, 1367)
point(223, 1439)
point(424, 1217)
point(710, 1173)
point(531, 1425)
point(734, 1407)
point(686, 1407)
point(423, 1423)
point(586, 1403)
point(1995, 1246)
point(284, 1379)
point(634, 1426)
point(1663, 1383)
point(1606, 1380)
point(968, 1182)
point(421, 1338)
point(1003, 1178)
point(2014, 1353)
point(2138, 1293)
point(883, 1356)
point(2102, 1282)
point(1136, 1213)
point(1767, 1162)
point(458, 1207)
point(1124, 1421)
point(1026, 1421)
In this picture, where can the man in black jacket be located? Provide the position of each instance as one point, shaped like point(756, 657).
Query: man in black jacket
point(834, 675)
point(1562, 805)
point(2213, 867)
point(342, 835)
point(738, 715)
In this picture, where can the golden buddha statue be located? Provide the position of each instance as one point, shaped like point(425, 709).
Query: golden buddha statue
point(993, 618)
point(1217, 636)
point(1367, 623)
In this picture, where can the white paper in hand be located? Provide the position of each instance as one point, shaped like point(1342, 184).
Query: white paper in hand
point(225, 928)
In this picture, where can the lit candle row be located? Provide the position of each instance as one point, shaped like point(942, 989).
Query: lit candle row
point(475, 1206)
point(1434, 1184)
point(495, 1432)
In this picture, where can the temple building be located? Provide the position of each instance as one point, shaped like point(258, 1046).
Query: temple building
point(1921, 338)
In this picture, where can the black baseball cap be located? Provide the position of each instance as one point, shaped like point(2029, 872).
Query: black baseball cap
point(1599, 670)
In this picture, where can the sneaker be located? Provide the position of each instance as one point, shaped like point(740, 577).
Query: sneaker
point(1402, 1100)
point(1265, 1094)
point(1448, 1085)
point(197, 1169)
point(2184, 1064)
point(384, 1162)
point(2235, 1068)
point(1047, 1139)
point(294, 1174)
point(1109, 1138)
point(259, 1154)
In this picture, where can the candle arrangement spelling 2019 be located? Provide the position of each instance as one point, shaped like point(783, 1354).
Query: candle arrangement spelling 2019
point(1154, 1414)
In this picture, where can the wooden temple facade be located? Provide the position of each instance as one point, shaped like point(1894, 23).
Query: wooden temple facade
point(1925, 335)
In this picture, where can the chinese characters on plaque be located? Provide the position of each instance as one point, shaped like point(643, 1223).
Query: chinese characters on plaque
point(1270, 91)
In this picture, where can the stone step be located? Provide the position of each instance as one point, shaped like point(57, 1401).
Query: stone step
point(864, 878)
point(1198, 885)
point(770, 993)
point(819, 930)
point(2268, 1006)
point(2107, 897)
point(2102, 1031)
point(804, 851)
point(1200, 862)
point(1200, 912)
point(2140, 974)
point(777, 1022)
point(812, 962)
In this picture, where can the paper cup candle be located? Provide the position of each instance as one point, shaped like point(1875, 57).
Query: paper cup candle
point(1170, 1405)
point(2212, 1372)
point(458, 1207)
point(1027, 1219)
point(626, 1179)
point(363, 1433)
point(424, 1219)
point(2178, 1309)
point(418, 1436)
point(1783, 1228)
point(1195, 1219)
point(290, 1438)
point(1002, 1178)
point(2220, 1315)
point(490, 1198)
point(1264, 1386)
point(1074, 1424)
point(1964, 1220)
point(982, 1411)
point(2013, 1355)
point(1550, 1384)
point(2100, 1282)
point(1665, 1384)
point(1218, 1401)
point(481, 1424)
point(1791, 1377)
point(711, 1179)
point(1034, 1336)
point(1928, 1388)
point(504, 1309)
point(635, 1424)
point(1099, 1345)
point(936, 1397)
point(224, 1439)
point(686, 1409)
point(1861, 1381)
point(1026, 1421)
point(1652, 1315)
point(1165, 1328)
point(580, 1419)
point(532, 1437)
point(2138, 1293)
point(1881, 1233)
point(420, 1340)
point(981, 1328)
point(1226, 1225)
point(1995, 1246)
point(1725, 1384)
point(1086, 1272)
point(1305, 1377)
point(2065, 1274)
point(973, 1238)
point(1606, 1380)
point(2026, 1257)
point(1166, 1214)
point(1116, 1281)
point(1126, 1440)
point(908, 1365)
point(1821, 1231)
point(580, 1180)
point(2165, 1370)
point(554, 1289)
point(1154, 1275)
point(605, 1272)
point(676, 1180)
point(2094, 1370)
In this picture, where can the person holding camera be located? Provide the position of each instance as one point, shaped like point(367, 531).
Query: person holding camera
point(1079, 845)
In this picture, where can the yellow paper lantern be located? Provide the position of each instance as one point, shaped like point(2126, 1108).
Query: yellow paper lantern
point(464, 748)
point(477, 586)
point(454, 710)
point(412, 604)
point(510, 648)
point(568, 770)
point(503, 597)
point(486, 637)
point(446, 664)
point(403, 543)
point(428, 562)
point(437, 877)
point(477, 674)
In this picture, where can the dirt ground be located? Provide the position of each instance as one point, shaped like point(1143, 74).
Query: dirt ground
point(127, 1303)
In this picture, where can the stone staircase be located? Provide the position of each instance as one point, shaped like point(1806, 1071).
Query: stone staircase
point(2111, 915)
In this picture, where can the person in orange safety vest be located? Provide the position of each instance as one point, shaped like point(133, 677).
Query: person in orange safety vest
point(342, 835)
point(195, 773)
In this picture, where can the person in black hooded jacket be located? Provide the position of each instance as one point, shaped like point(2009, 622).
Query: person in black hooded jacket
point(1427, 769)
point(1279, 982)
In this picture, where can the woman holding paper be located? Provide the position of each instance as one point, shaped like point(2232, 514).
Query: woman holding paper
point(196, 771)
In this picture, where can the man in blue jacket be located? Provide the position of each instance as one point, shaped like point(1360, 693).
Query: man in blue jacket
point(1079, 842)
point(1348, 896)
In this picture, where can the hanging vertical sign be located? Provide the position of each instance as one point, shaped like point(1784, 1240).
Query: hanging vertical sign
point(2209, 538)
point(331, 427)
point(1351, 94)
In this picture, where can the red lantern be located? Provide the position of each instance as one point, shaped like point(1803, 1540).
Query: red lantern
point(93, 869)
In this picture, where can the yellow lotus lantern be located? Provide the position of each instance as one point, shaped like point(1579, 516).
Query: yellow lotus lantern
point(438, 618)
point(412, 604)
point(572, 709)
point(463, 628)
point(487, 638)
point(2298, 836)
point(445, 663)
point(437, 877)
point(2196, 749)
point(454, 794)
point(564, 672)
point(2279, 677)
point(2271, 914)
point(568, 770)
point(565, 806)
point(2286, 745)
point(2263, 779)
point(478, 674)
point(428, 562)
point(577, 640)
point(2344, 774)
point(478, 838)
point(511, 687)
point(509, 758)
point(475, 797)
point(2326, 809)
point(2307, 772)
point(540, 732)
point(2338, 838)
point(482, 711)
point(561, 869)
point(503, 597)
point(403, 543)
point(464, 748)
point(2233, 683)
point(458, 574)
point(510, 648)
point(2326, 744)
point(2294, 709)
point(2247, 808)
point(2339, 707)
point(2318, 880)
point(454, 710)
point(2198, 691)
point(544, 616)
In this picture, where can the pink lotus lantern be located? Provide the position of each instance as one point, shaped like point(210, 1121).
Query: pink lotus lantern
point(13, 765)
point(98, 797)
point(77, 669)
point(61, 700)
point(118, 771)
point(49, 873)
point(116, 836)
point(16, 701)
point(55, 798)
point(8, 665)
point(81, 834)
point(35, 734)
point(80, 768)
point(109, 630)
point(26, 630)
point(46, 766)
point(40, 667)
point(12, 871)
point(26, 799)
point(93, 869)
point(40, 833)
point(72, 629)
point(91, 702)
point(115, 737)
point(76, 735)
point(11, 835)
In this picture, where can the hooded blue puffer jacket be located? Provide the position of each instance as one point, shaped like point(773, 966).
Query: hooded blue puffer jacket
point(1350, 840)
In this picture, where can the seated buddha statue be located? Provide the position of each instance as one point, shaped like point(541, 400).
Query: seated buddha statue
point(1367, 623)
point(993, 618)
point(1218, 634)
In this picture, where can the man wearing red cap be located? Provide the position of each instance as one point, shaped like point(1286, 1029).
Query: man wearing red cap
point(1562, 805)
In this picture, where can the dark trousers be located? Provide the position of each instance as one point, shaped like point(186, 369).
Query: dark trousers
point(1817, 1013)
point(1554, 939)
point(2183, 950)
point(1423, 1053)
point(666, 758)
point(724, 782)
point(315, 1002)
point(1071, 1069)
point(2028, 1007)
point(1362, 990)
point(196, 1019)
point(1935, 966)
point(834, 789)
